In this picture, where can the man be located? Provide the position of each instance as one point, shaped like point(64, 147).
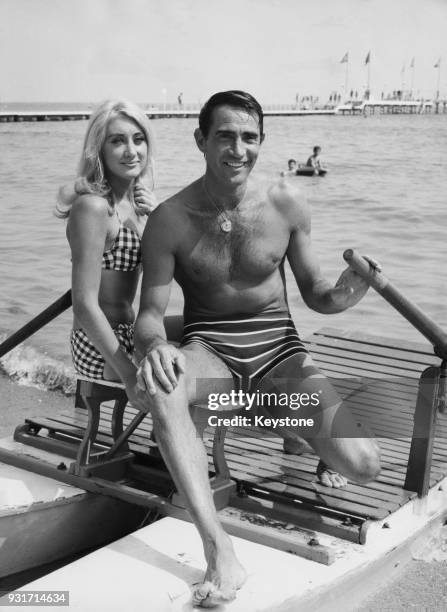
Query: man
point(224, 239)
point(314, 160)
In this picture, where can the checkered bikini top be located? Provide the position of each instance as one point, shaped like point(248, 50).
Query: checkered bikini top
point(125, 253)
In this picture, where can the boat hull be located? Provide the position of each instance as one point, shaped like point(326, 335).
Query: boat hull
point(42, 520)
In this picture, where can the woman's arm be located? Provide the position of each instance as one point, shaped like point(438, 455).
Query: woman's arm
point(88, 226)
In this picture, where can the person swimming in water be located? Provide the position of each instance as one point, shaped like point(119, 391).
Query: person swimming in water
point(291, 168)
point(314, 160)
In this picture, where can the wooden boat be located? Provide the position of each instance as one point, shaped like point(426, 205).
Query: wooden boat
point(309, 171)
point(345, 542)
point(43, 520)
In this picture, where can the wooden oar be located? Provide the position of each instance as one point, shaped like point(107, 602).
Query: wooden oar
point(428, 328)
point(47, 315)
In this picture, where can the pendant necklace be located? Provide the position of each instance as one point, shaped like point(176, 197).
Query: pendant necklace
point(226, 225)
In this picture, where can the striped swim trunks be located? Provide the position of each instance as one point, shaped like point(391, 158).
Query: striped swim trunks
point(87, 360)
point(250, 346)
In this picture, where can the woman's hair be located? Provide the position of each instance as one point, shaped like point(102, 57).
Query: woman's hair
point(91, 177)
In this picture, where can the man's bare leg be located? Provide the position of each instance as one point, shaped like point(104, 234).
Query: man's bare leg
point(293, 444)
point(185, 456)
point(346, 448)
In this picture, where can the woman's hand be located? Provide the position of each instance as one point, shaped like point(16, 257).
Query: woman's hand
point(136, 395)
point(144, 198)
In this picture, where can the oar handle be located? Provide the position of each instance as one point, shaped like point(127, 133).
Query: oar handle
point(47, 315)
point(428, 328)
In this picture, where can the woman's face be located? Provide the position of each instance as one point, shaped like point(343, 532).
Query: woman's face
point(125, 149)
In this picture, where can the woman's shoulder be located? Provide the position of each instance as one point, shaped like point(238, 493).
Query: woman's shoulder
point(92, 205)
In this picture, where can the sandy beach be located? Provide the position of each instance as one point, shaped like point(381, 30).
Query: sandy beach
point(18, 401)
point(419, 585)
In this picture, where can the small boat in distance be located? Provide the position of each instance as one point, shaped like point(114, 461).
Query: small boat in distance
point(309, 171)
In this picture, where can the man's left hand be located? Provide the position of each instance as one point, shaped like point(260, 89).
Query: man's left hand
point(351, 287)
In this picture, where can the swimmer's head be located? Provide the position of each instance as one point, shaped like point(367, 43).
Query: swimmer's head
point(317, 150)
point(236, 99)
point(292, 164)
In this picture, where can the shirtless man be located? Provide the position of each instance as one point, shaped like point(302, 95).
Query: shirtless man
point(224, 239)
point(314, 159)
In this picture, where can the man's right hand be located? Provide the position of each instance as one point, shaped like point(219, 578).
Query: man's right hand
point(162, 363)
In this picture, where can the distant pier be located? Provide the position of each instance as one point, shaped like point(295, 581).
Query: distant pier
point(365, 107)
point(393, 107)
point(152, 113)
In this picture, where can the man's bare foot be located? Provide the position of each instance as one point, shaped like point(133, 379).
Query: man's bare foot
point(326, 476)
point(329, 478)
point(296, 447)
point(224, 576)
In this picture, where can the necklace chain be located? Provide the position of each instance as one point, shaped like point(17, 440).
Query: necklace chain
point(226, 225)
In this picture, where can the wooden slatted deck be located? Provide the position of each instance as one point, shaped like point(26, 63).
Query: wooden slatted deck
point(378, 377)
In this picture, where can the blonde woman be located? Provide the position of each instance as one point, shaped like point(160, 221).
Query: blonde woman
point(107, 209)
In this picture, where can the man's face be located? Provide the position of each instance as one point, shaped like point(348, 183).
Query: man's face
point(292, 165)
point(232, 145)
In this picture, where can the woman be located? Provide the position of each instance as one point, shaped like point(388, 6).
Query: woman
point(107, 210)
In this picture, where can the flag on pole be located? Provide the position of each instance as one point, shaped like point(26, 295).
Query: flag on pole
point(345, 58)
point(438, 63)
point(368, 58)
point(412, 63)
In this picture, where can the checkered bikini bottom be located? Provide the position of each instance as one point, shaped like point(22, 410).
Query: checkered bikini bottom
point(87, 360)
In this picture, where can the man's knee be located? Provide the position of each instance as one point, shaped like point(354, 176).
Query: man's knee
point(162, 403)
point(367, 466)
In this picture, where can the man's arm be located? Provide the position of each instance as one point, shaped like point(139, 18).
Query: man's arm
point(159, 358)
point(316, 291)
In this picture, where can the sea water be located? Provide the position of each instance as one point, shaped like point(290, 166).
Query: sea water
point(384, 195)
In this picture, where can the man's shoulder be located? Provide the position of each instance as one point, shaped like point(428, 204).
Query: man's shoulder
point(289, 200)
point(286, 193)
point(168, 220)
point(172, 207)
point(175, 204)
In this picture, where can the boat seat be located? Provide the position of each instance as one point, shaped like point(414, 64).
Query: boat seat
point(91, 393)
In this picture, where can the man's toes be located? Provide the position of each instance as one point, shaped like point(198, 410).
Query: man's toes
point(202, 592)
point(330, 478)
point(207, 595)
point(325, 479)
point(217, 598)
point(340, 481)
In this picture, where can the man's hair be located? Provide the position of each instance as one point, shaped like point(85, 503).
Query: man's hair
point(292, 160)
point(316, 148)
point(235, 98)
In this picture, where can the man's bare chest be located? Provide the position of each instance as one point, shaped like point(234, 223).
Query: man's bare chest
point(251, 251)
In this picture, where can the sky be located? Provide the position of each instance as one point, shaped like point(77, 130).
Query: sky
point(150, 50)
